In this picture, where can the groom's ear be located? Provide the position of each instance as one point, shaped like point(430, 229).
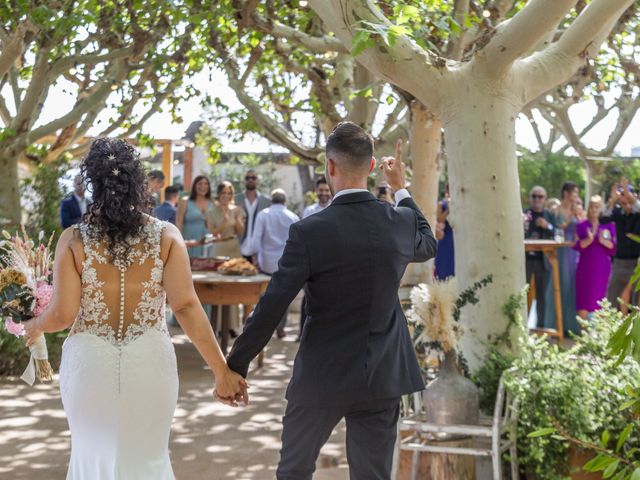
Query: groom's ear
point(372, 165)
point(331, 167)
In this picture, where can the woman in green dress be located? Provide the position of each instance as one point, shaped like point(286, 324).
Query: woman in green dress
point(192, 214)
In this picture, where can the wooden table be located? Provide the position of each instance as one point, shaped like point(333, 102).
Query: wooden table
point(550, 250)
point(214, 288)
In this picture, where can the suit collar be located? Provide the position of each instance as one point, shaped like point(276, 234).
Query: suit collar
point(356, 197)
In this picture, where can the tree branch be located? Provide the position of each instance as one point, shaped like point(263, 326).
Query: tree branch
point(520, 34)
point(65, 63)
point(404, 64)
point(13, 46)
point(315, 44)
point(555, 64)
point(99, 93)
point(455, 48)
point(272, 130)
point(626, 111)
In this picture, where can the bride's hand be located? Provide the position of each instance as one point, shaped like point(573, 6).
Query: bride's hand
point(32, 330)
point(231, 388)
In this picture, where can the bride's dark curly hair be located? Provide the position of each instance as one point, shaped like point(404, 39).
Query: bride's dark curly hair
point(118, 184)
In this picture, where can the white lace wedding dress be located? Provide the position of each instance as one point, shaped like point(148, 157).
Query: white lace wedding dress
point(118, 376)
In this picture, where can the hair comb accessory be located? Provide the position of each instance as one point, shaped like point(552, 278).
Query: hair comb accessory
point(111, 157)
point(115, 171)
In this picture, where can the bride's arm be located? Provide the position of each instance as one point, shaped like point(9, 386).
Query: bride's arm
point(186, 306)
point(65, 302)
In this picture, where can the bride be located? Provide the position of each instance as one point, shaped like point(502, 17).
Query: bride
point(118, 376)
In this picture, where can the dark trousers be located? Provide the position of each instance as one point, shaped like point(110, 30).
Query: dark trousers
point(535, 266)
point(371, 437)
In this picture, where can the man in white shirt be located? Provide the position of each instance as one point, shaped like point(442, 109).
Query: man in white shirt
point(270, 235)
point(324, 198)
point(252, 202)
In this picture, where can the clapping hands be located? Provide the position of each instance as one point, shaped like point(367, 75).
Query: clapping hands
point(231, 388)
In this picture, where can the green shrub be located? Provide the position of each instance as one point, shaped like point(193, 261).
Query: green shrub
point(577, 391)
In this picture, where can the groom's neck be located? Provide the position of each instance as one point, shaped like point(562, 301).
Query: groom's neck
point(349, 183)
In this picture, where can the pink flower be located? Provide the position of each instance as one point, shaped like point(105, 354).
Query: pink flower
point(13, 328)
point(43, 295)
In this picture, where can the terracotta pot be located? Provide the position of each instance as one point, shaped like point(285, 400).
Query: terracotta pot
point(577, 458)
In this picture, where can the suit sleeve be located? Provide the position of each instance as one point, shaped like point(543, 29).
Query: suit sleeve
point(65, 214)
point(425, 245)
point(293, 271)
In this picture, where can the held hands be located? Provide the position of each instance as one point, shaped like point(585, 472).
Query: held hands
point(393, 169)
point(231, 388)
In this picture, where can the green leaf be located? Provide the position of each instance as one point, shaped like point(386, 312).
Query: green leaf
point(361, 41)
point(543, 432)
point(623, 436)
point(636, 474)
point(605, 438)
point(611, 469)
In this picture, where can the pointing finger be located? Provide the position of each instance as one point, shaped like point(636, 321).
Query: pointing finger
point(399, 150)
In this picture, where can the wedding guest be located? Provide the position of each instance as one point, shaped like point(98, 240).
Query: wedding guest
point(444, 262)
point(385, 194)
point(252, 202)
point(596, 243)
point(553, 204)
point(226, 222)
point(155, 184)
point(167, 211)
point(323, 193)
point(538, 226)
point(623, 210)
point(566, 219)
point(270, 236)
point(192, 214)
point(75, 205)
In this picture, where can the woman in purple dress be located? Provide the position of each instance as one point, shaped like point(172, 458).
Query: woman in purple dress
point(596, 244)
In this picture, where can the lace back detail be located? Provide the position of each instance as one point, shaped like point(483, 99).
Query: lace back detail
point(122, 299)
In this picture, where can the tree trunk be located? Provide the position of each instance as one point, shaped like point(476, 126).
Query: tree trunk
point(10, 212)
point(486, 213)
point(426, 138)
point(305, 178)
point(592, 186)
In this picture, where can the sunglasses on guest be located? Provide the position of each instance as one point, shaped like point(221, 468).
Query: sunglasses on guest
point(535, 195)
point(250, 177)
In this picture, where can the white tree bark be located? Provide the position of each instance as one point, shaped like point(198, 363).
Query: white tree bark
point(425, 139)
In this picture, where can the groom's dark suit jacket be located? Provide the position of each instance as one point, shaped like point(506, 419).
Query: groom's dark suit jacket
point(350, 258)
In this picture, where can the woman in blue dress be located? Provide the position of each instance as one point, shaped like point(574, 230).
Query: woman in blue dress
point(566, 219)
point(192, 214)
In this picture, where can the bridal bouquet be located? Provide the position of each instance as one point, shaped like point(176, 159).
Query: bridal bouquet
point(25, 292)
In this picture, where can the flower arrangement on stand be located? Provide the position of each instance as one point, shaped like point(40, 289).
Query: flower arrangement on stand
point(434, 317)
point(25, 292)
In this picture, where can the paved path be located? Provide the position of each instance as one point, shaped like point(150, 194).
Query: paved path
point(208, 440)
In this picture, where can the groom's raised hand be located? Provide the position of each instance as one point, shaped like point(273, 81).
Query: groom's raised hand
point(393, 169)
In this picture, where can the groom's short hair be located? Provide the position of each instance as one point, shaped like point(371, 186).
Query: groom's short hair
point(350, 146)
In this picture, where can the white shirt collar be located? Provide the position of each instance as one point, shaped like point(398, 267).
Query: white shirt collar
point(347, 191)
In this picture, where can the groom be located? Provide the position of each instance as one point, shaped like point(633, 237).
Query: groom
point(356, 358)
